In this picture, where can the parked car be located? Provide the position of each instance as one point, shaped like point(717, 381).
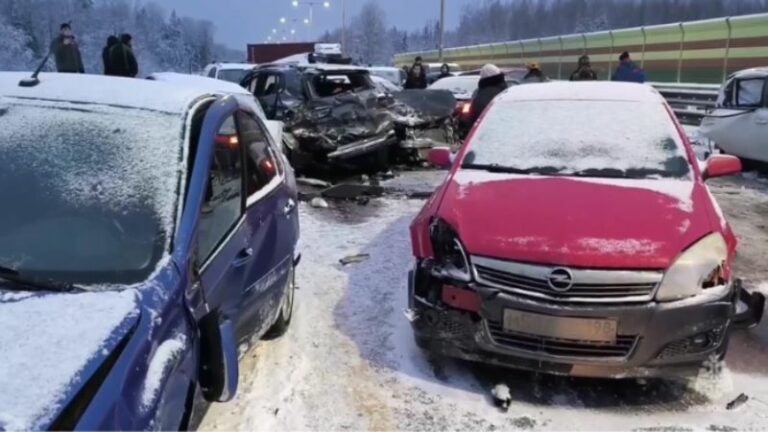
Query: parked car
point(392, 74)
point(513, 76)
point(463, 89)
point(739, 123)
point(384, 85)
point(575, 235)
point(153, 233)
point(232, 72)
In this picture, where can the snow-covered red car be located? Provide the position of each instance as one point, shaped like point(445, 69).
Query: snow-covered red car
point(575, 235)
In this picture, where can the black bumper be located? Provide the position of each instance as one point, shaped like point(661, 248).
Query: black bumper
point(654, 339)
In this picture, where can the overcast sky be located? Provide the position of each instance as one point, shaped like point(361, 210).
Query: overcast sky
point(239, 22)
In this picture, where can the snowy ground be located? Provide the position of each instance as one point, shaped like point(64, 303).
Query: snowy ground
point(349, 361)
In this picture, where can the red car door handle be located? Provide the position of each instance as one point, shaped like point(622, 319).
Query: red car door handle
point(245, 256)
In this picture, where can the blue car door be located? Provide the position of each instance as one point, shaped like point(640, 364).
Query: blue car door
point(265, 208)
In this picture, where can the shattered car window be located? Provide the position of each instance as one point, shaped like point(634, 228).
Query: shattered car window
point(587, 138)
point(95, 191)
point(335, 83)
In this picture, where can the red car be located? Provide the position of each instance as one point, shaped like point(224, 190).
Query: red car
point(574, 235)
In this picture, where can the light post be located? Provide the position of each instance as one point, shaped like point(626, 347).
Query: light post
point(442, 30)
point(311, 3)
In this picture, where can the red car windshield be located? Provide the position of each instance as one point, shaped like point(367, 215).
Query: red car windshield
point(582, 138)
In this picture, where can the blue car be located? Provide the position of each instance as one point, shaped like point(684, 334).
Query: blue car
point(148, 236)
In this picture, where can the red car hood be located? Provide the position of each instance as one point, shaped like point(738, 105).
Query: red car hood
point(587, 223)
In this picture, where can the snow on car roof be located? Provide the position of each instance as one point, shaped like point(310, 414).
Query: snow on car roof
point(595, 91)
point(103, 90)
point(200, 82)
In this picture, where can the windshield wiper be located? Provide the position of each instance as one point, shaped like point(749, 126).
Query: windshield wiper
point(25, 283)
point(495, 168)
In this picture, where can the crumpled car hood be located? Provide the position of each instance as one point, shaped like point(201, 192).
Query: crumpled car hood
point(50, 345)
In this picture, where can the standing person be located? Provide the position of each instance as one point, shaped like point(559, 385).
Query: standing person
point(584, 71)
point(628, 71)
point(105, 58)
point(445, 72)
point(535, 74)
point(66, 52)
point(121, 58)
point(492, 82)
point(417, 76)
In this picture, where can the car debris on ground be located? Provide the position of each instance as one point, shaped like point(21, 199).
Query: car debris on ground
point(354, 259)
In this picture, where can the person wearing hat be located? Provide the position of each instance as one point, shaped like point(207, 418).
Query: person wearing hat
point(628, 71)
point(492, 82)
point(584, 71)
point(535, 74)
point(66, 52)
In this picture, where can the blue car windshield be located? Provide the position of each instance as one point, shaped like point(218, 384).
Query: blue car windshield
point(88, 193)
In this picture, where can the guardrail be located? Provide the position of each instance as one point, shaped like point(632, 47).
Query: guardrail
point(698, 51)
point(691, 102)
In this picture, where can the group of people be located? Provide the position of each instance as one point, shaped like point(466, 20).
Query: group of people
point(117, 56)
point(627, 70)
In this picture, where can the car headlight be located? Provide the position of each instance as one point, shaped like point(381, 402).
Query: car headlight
point(450, 256)
point(699, 268)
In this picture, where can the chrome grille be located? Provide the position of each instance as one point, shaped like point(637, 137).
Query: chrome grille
point(561, 347)
point(588, 285)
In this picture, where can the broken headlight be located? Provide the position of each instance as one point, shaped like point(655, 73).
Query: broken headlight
point(450, 256)
point(699, 268)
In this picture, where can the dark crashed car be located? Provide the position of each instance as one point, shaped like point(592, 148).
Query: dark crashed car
point(335, 117)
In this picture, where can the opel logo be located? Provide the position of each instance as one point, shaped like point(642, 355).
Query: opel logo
point(560, 280)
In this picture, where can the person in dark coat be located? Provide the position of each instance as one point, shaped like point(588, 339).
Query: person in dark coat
point(628, 71)
point(417, 76)
point(66, 52)
point(445, 72)
point(492, 82)
point(111, 42)
point(121, 58)
point(584, 71)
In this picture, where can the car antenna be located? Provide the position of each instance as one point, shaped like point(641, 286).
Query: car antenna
point(34, 80)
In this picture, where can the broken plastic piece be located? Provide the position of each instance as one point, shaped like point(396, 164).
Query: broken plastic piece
point(502, 397)
point(354, 259)
point(739, 401)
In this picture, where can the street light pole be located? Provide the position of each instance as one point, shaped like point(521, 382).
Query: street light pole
point(442, 30)
point(343, 26)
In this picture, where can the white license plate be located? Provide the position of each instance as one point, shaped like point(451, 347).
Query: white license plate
point(582, 329)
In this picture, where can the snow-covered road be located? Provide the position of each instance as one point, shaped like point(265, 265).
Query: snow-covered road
point(349, 361)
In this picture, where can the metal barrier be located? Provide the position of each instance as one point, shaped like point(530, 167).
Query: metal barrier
point(691, 102)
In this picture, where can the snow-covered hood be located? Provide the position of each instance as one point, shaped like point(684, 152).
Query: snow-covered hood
point(588, 223)
point(50, 345)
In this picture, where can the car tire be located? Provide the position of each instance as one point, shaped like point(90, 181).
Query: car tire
point(283, 322)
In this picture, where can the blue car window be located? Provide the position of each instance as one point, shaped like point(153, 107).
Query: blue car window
point(262, 166)
point(223, 203)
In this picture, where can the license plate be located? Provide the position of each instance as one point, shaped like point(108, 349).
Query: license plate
point(582, 329)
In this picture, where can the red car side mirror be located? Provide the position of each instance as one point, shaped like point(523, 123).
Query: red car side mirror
point(722, 165)
point(440, 157)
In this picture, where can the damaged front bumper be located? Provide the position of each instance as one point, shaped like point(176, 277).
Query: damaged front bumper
point(363, 147)
point(671, 340)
